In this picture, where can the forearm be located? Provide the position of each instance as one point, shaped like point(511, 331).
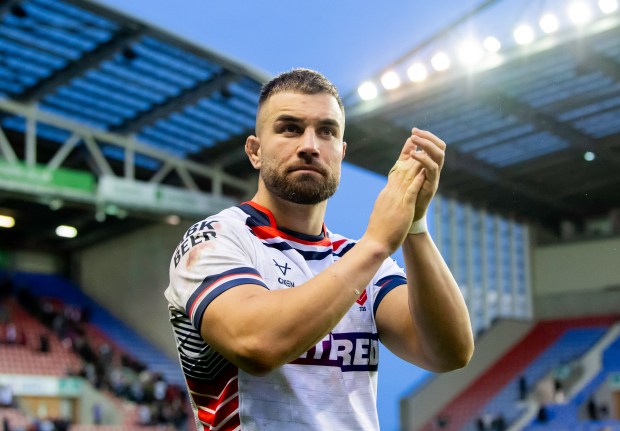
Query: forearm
point(436, 304)
point(278, 326)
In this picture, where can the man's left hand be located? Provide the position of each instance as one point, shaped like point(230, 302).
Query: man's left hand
point(430, 152)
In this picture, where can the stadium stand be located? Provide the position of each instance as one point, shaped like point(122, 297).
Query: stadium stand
point(28, 358)
point(59, 288)
point(548, 345)
point(581, 412)
point(44, 347)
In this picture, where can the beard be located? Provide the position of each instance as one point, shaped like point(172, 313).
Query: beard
point(307, 189)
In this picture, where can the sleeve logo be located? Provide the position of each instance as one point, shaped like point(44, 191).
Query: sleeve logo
point(196, 234)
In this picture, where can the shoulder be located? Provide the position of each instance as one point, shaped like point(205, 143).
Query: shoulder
point(227, 221)
point(225, 230)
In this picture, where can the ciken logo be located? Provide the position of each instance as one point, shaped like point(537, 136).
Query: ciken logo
point(282, 268)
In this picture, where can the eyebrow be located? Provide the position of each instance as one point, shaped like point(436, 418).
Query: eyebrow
point(292, 119)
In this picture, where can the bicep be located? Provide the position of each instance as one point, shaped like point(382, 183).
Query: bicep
point(225, 325)
point(396, 328)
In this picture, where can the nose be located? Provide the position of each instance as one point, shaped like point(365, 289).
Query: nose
point(308, 144)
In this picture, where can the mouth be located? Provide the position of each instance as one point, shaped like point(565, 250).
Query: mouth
point(307, 169)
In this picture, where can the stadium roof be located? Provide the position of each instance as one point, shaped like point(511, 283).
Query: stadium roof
point(104, 117)
point(86, 89)
point(533, 132)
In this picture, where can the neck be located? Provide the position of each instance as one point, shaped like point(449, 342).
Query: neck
point(307, 219)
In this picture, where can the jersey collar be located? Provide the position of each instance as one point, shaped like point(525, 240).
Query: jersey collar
point(262, 218)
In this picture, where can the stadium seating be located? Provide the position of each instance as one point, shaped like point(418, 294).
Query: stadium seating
point(117, 333)
point(60, 359)
point(31, 361)
point(548, 345)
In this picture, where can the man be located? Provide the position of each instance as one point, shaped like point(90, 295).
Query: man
point(277, 319)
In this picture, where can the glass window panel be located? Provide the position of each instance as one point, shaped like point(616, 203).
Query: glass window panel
point(505, 269)
point(491, 267)
point(446, 232)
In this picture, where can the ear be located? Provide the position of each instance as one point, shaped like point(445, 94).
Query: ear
point(252, 149)
point(344, 149)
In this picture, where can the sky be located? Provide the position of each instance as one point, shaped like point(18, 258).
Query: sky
point(346, 40)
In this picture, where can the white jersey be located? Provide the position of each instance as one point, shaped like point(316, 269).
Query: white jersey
point(333, 386)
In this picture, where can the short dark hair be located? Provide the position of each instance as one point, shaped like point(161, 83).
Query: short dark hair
point(304, 81)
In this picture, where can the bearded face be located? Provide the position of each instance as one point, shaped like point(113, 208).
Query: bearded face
point(306, 188)
point(299, 146)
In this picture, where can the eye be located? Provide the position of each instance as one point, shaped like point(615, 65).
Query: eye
point(327, 131)
point(290, 128)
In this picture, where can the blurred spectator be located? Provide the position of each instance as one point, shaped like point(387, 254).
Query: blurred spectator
point(6, 287)
point(85, 315)
point(11, 334)
point(61, 425)
point(44, 343)
point(6, 396)
point(59, 326)
point(136, 392)
point(144, 415)
point(592, 409)
point(46, 425)
point(179, 414)
point(499, 423)
point(559, 391)
point(4, 314)
point(490, 422)
point(522, 388)
point(545, 391)
point(105, 353)
point(441, 422)
point(159, 389)
point(603, 411)
point(97, 414)
point(6, 426)
point(543, 414)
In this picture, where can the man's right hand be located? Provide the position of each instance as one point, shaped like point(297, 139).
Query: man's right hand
point(394, 208)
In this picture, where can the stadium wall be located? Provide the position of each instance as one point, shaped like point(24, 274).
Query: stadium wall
point(128, 276)
point(576, 279)
point(33, 261)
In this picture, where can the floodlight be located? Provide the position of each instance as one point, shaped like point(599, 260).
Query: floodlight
point(580, 12)
point(417, 72)
point(173, 219)
point(65, 231)
point(470, 52)
point(390, 80)
point(589, 156)
point(367, 90)
point(7, 221)
point(608, 6)
point(523, 34)
point(440, 61)
point(491, 44)
point(549, 23)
